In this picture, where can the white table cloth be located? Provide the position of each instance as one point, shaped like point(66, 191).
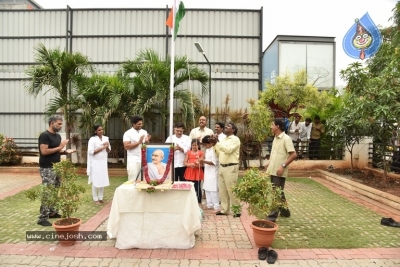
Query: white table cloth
point(164, 219)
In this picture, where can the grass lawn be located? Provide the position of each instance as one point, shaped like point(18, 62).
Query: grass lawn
point(322, 219)
point(19, 214)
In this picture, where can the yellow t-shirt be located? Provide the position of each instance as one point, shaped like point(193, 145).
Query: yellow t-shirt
point(281, 147)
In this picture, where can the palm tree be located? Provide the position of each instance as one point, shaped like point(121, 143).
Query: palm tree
point(103, 96)
point(57, 69)
point(151, 84)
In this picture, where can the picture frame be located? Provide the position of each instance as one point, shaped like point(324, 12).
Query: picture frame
point(158, 160)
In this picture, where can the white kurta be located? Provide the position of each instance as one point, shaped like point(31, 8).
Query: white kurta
point(185, 143)
point(97, 168)
point(211, 171)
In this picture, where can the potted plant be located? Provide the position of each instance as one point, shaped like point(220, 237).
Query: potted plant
point(255, 189)
point(66, 198)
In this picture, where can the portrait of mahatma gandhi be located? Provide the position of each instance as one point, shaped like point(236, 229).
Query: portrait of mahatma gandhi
point(158, 164)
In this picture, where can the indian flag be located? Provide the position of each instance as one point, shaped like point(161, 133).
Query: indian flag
point(175, 16)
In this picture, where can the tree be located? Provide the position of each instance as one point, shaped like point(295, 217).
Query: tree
point(151, 83)
point(378, 102)
point(260, 119)
point(289, 93)
point(390, 46)
point(56, 70)
point(347, 124)
point(376, 88)
point(101, 97)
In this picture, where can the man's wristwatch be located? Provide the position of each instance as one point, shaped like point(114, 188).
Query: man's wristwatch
point(284, 165)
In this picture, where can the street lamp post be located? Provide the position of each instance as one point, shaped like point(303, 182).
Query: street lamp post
point(198, 46)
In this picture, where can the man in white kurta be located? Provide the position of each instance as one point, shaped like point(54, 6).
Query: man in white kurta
point(219, 130)
point(305, 137)
point(181, 147)
point(201, 131)
point(133, 140)
point(295, 129)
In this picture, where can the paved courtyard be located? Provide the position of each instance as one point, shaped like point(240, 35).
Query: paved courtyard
point(225, 241)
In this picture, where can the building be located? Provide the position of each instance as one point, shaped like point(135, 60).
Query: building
point(231, 39)
point(19, 4)
point(289, 54)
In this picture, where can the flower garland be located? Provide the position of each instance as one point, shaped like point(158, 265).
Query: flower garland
point(146, 172)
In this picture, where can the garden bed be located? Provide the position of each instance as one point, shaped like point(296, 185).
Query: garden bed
point(372, 178)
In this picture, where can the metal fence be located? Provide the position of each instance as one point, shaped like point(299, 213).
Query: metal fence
point(250, 150)
point(390, 153)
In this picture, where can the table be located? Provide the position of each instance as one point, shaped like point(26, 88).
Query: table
point(164, 219)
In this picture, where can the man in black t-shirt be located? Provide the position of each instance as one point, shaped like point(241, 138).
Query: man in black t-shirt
point(50, 148)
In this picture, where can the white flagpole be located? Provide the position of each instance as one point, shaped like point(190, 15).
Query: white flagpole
point(171, 79)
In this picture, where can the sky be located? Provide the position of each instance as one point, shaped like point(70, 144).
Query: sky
point(331, 18)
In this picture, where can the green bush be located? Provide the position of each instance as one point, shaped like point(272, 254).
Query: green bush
point(255, 189)
point(9, 154)
point(66, 198)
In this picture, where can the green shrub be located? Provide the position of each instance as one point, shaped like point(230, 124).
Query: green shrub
point(255, 189)
point(66, 198)
point(9, 154)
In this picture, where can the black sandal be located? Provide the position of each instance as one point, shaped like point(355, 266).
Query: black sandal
point(262, 253)
point(272, 256)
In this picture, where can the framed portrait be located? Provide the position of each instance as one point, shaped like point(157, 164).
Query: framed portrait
point(157, 157)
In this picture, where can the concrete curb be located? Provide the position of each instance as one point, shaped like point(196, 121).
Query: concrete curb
point(377, 195)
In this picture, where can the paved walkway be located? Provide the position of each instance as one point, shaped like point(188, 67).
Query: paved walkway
point(224, 241)
point(11, 183)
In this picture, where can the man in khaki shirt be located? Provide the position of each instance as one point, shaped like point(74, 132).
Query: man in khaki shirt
point(227, 152)
point(317, 129)
point(282, 154)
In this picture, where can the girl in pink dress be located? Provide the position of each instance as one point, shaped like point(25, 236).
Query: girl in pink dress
point(194, 172)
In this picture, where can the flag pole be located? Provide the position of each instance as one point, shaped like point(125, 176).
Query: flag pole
point(171, 79)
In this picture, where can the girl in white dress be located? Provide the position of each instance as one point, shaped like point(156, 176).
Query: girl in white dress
point(210, 184)
point(97, 169)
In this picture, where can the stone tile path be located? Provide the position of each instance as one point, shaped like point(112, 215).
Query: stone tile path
point(12, 183)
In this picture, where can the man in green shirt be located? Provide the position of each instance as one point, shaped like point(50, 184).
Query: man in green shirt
point(282, 154)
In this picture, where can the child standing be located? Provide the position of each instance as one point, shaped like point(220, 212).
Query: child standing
point(210, 184)
point(193, 171)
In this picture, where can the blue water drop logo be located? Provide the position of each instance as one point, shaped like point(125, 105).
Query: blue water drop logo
point(363, 39)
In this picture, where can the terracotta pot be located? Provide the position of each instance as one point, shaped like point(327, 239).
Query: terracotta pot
point(263, 237)
point(65, 232)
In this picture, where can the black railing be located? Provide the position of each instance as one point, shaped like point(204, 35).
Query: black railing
point(328, 150)
point(250, 150)
point(379, 152)
point(29, 146)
